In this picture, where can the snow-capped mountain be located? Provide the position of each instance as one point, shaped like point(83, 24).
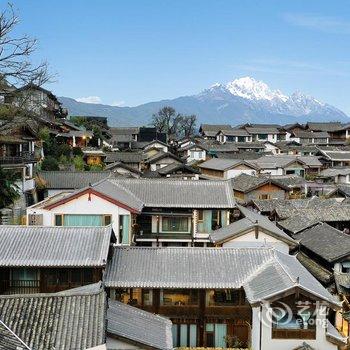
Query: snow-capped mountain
point(239, 101)
point(252, 89)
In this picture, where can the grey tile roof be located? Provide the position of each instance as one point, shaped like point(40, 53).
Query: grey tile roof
point(57, 321)
point(342, 282)
point(262, 130)
point(124, 130)
point(337, 155)
point(214, 127)
point(331, 172)
point(224, 164)
point(113, 166)
point(9, 340)
point(288, 207)
point(307, 217)
point(139, 326)
point(308, 134)
point(334, 336)
point(115, 190)
point(209, 268)
point(173, 167)
point(291, 181)
point(317, 270)
point(125, 157)
point(69, 179)
point(325, 241)
point(246, 183)
point(235, 132)
point(245, 155)
point(345, 189)
point(45, 246)
point(250, 220)
point(283, 160)
point(176, 193)
point(161, 155)
point(328, 126)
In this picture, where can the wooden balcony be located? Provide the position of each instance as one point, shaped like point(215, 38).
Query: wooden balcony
point(24, 157)
point(20, 287)
point(293, 333)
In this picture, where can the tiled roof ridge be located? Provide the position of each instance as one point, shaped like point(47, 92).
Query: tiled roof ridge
point(141, 311)
point(15, 335)
point(277, 259)
point(62, 294)
point(118, 184)
point(262, 267)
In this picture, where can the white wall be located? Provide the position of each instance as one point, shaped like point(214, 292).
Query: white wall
point(116, 344)
point(229, 174)
point(82, 205)
point(249, 240)
point(277, 171)
point(196, 154)
point(320, 343)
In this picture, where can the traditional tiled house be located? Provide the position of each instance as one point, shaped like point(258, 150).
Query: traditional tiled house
point(221, 168)
point(246, 188)
point(233, 135)
point(54, 182)
point(252, 230)
point(217, 297)
point(73, 319)
point(147, 211)
point(132, 159)
point(209, 131)
point(37, 259)
point(131, 328)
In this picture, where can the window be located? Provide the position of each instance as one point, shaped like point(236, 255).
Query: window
point(107, 219)
point(264, 196)
point(178, 297)
point(147, 297)
point(184, 335)
point(24, 274)
point(215, 335)
point(293, 318)
point(241, 139)
point(262, 136)
point(200, 215)
point(216, 220)
point(58, 220)
point(82, 220)
point(35, 219)
point(175, 224)
point(225, 297)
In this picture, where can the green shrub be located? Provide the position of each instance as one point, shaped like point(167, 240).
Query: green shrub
point(49, 164)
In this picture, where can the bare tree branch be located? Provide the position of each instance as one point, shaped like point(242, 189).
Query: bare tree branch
point(16, 66)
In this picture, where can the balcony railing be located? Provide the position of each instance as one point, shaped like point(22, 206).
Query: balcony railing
point(293, 333)
point(20, 286)
point(24, 157)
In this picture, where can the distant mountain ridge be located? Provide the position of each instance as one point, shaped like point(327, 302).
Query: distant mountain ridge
point(243, 100)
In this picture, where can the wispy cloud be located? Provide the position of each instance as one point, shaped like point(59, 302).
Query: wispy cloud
point(118, 103)
point(281, 66)
point(89, 99)
point(322, 23)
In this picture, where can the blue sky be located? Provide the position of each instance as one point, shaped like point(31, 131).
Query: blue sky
point(131, 52)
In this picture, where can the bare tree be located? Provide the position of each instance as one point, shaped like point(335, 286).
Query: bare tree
point(163, 119)
point(16, 66)
point(174, 124)
point(188, 125)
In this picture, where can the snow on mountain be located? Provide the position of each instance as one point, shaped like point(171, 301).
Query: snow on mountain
point(254, 90)
point(239, 101)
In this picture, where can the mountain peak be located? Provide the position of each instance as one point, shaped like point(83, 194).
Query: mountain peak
point(252, 89)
